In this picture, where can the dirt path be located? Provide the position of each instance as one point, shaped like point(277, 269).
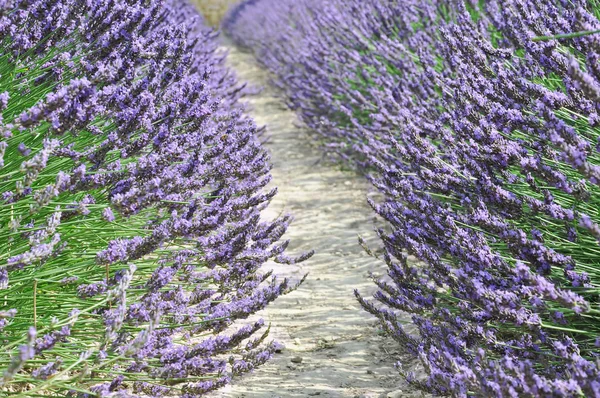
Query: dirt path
point(320, 324)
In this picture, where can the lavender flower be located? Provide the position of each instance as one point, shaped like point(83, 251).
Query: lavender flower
point(481, 140)
point(124, 147)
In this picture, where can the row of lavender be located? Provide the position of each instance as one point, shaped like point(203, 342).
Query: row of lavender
point(132, 186)
point(478, 121)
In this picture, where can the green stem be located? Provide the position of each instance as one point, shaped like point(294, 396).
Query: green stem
point(566, 35)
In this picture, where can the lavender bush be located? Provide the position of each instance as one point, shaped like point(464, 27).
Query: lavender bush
point(478, 121)
point(132, 186)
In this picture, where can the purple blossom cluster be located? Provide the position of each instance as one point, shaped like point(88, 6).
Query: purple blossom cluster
point(478, 121)
point(132, 188)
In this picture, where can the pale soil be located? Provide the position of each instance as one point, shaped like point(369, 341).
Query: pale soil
point(342, 353)
point(214, 10)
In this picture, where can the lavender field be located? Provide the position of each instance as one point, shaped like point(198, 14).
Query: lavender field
point(332, 198)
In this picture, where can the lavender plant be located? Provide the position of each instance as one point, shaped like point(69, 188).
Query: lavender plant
point(132, 186)
point(479, 123)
